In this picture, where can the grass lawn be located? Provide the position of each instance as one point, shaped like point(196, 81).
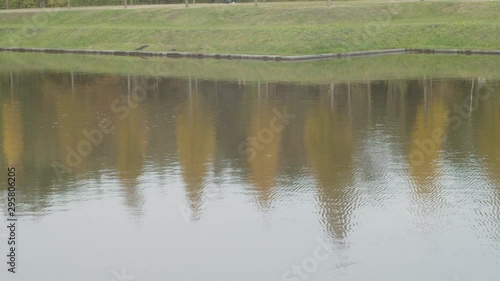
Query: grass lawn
point(272, 28)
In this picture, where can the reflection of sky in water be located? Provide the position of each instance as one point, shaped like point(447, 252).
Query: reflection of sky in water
point(169, 195)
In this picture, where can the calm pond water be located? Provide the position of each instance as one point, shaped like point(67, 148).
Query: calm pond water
point(128, 177)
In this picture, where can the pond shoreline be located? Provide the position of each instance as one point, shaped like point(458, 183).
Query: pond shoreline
point(277, 58)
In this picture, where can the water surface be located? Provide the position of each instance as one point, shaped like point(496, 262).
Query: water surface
point(188, 178)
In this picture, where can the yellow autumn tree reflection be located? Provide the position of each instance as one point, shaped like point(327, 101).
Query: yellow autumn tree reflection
point(264, 163)
point(75, 114)
point(196, 146)
point(488, 140)
point(426, 143)
point(329, 144)
point(131, 142)
point(69, 110)
point(13, 144)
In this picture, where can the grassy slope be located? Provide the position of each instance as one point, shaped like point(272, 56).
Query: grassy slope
point(274, 28)
point(359, 69)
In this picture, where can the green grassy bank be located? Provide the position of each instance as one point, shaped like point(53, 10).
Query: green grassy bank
point(272, 28)
point(358, 69)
